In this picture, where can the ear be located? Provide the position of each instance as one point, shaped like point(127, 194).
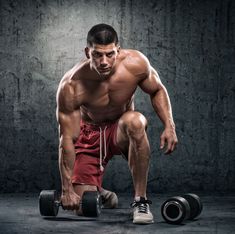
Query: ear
point(87, 52)
point(118, 49)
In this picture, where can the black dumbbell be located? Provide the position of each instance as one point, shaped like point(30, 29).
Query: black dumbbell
point(177, 209)
point(195, 205)
point(49, 203)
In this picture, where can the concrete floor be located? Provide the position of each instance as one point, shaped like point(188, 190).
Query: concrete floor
point(19, 214)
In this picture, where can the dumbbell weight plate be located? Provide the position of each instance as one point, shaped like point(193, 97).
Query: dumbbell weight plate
point(194, 203)
point(91, 203)
point(175, 210)
point(48, 204)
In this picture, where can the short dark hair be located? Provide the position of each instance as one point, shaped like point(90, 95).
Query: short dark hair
point(102, 34)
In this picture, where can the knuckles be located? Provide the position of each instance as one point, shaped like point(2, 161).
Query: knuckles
point(69, 204)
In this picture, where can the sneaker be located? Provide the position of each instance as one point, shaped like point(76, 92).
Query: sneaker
point(141, 211)
point(109, 199)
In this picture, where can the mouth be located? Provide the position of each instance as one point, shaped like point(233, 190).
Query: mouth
point(104, 70)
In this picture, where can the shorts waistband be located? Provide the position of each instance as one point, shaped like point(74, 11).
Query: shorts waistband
point(96, 127)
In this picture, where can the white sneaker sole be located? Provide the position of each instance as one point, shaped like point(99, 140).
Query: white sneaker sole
point(143, 221)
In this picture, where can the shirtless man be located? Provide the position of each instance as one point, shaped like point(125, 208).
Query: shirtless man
point(95, 111)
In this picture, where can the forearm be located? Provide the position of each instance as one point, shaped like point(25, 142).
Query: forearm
point(162, 106)
point(66, 163)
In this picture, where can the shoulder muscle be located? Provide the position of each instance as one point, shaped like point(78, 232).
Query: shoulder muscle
point(137, 63)
point(65, 96)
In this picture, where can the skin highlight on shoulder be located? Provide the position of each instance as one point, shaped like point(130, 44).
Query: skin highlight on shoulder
point(136, 63)
point(65, 96)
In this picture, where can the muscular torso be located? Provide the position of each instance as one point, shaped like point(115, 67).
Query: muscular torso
point(102, 100)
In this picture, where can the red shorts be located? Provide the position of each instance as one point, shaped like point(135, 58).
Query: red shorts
point(90, 150)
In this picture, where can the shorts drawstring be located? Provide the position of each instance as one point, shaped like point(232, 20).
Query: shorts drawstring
point(105, 148)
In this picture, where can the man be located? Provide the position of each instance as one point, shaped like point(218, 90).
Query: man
point(95, 111)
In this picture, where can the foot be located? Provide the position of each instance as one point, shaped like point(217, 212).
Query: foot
point(141, 211)
point(109, 199)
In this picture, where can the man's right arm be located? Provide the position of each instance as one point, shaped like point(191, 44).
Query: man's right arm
point(68, 116)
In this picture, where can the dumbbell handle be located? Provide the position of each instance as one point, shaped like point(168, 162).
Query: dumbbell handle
point(59, 203)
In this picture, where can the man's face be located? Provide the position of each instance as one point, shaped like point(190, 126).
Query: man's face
point(103, 57)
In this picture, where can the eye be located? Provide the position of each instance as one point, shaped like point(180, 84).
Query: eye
point(96, 54)
point(110, 54)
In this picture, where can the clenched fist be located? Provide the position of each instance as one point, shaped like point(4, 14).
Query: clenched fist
point(70, 201)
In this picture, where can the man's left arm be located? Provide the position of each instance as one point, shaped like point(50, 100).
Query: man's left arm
point(152, 85)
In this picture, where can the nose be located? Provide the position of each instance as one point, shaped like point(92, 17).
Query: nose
point(103, 61)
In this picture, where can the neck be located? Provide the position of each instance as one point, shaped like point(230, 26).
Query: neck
point(100, 76)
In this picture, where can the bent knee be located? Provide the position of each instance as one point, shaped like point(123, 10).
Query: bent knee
point(134, 122)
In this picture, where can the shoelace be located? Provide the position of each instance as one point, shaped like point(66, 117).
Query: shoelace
point(142, 206)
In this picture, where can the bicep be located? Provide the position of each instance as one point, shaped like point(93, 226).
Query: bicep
point(151, 83)
point(68, 115)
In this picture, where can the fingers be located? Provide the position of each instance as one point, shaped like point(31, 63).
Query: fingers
point(171, 139)
point(171, 146)
point(70, 206)
point(174, 146)
point(162, 142)
point(70, 203)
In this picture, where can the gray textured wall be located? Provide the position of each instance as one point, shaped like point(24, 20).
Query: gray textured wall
point(191, 43)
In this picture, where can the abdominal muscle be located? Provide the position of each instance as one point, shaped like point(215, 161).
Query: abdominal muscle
point(102, 115)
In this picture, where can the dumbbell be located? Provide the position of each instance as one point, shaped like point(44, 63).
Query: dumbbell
point(49, 203)
point(195, 205)
point(179, 208)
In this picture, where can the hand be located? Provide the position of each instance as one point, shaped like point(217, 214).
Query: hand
point(169, 136)
point(70, 201)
